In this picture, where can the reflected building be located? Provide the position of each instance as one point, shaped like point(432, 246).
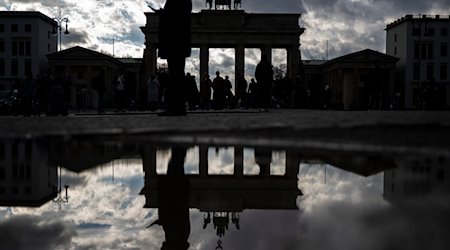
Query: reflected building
point(222, 197)
point(26, 177)
point(417, 178)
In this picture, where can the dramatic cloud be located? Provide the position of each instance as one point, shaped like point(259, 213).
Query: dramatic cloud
point(33, 232)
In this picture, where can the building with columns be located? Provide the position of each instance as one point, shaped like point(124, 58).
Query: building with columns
point(232, 29)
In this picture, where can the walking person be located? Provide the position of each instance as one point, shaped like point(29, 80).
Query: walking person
point(175, 46)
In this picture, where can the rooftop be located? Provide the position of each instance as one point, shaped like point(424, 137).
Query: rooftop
point(428, 18)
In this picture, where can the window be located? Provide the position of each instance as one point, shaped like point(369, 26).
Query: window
point(395, 50)
point(429, 32)
point(2, 28)
point(27, 28)
point(395, 38)
point(2, 46)
point(443, 71)
point(430, 71)
point(14, 68)
point(21, 47)
point(48, 47)
point(444, 31)
point(14, 28)
point(416, 32)
point(416, 71)
point(444, 49)
point(416, 50)
point(430, 51)
point(423, 51)
point(27, 67)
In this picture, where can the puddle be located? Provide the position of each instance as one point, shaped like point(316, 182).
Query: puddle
point(217, 196)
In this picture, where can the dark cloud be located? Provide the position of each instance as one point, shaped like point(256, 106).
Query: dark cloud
point(76, 37)
point(32, 232)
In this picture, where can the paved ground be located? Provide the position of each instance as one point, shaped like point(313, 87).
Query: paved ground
point(428, 131)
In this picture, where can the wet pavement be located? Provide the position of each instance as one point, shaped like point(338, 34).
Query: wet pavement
point(406, 130)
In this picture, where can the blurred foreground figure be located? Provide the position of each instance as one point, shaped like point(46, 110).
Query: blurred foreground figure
point(175, 46)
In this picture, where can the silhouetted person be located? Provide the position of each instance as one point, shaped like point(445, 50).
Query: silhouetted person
point(241, 90)
point(209, 3)
point(175, 46)
point(173, 197)
point(264, 77)
point(153, 92)
point(228, 93)
point(193, 94)
point(98, 84)
point(120, 93)
point(253, 93)
point(237, 3)
point(263, 157)
point(327, 95)
point(220, 94)
point(205, 92)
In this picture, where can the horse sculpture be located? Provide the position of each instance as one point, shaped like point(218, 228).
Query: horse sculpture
point(224, 3)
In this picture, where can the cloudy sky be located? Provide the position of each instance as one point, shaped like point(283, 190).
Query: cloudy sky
point(346, 211)
point(347, 25)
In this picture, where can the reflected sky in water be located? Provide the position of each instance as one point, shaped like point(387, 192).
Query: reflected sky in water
point(339, 209)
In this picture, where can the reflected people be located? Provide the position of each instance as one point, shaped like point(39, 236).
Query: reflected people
point(173, 199)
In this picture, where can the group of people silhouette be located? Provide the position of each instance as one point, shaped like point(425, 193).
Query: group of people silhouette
point(47, 94)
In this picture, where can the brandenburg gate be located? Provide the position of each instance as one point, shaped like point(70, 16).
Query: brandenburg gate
point(233, 29)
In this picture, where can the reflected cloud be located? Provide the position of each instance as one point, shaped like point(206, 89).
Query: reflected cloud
point(247, 197)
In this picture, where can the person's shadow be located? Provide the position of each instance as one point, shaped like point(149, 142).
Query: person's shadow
point(173, 199)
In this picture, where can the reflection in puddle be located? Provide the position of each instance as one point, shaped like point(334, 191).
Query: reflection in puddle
point(211, 196)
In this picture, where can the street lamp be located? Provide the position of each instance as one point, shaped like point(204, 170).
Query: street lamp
point(58, 28)
point(59, 198)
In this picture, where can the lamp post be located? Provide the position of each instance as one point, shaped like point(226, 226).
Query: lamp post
point(59, 198)
point(58, 29)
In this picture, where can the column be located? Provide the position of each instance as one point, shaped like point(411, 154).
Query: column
point(204, 60)
point(150, 61)
point(203, 160)
point(238, 161)
point(292, 164)
point(239, 57)
point(293, 61)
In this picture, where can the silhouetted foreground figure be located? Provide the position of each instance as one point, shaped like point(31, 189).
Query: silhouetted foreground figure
point(173, 198)
point(175, 46)
point(264, 77)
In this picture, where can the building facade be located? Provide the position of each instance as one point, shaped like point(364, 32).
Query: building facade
point(25, 40)
point(357, 81)
point(422, 45)
point(81, 65)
